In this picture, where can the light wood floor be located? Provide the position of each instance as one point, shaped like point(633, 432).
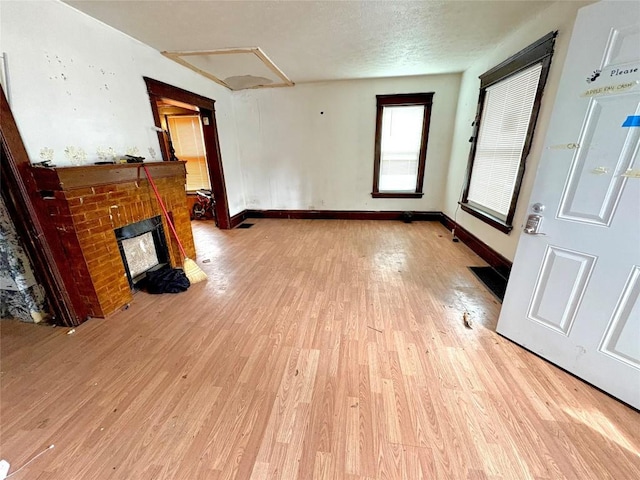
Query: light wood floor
point(316, 350)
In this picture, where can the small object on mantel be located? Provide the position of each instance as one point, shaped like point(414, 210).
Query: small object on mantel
point(134, 159)
point(466, 319)
point(105, 162)
point(44, 164)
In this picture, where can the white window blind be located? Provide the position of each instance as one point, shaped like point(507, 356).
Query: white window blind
point(400, 148)
point(188, 142)
point(506, 115)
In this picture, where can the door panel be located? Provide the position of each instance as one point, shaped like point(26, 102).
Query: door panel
point(560, 286)
point(573, 292)
point(595, 183)
point(622, 47)
point(625, 324)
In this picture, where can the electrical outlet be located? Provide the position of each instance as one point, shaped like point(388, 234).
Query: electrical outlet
point(4, 469)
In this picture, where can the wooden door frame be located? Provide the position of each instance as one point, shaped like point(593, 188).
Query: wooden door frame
point(28, 213)
point(158, 90)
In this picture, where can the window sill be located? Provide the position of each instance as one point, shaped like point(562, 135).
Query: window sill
point(487, 218)
point(397, 195)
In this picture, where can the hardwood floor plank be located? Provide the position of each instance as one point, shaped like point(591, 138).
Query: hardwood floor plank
point(322, 466)
point(317, 349)
point(369, 436)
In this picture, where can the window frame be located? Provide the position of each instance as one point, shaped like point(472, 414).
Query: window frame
point(402, 100)
point(540, 51)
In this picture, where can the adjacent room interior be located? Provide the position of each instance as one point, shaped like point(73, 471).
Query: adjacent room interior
point(417, 221)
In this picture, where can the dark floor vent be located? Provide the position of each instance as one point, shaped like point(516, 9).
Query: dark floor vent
point(246, 225)
point(495, 282)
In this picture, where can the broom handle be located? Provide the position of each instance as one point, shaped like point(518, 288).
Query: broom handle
point(164, 210)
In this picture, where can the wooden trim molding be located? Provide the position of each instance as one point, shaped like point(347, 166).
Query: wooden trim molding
point(286, 81)
point(484, 251)
point(406, 99)
point(182, 59)
point(397, 194)
point(540, 51)
point(495, 222)
point(399, 100)
point(238, 218)
point(68, 178)
point(158, 90)
point(340, 215)
point(526, 57)
point(216, 170)
point(161, 89)
point(30, 217)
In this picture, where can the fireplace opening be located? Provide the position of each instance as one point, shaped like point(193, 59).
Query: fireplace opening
point(143, 247)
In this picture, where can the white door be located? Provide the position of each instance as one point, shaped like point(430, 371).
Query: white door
point(573, 293)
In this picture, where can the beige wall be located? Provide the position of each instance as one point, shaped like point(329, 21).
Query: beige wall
point(76, 81)
point(312, 146)
point(278, 150)
point(559, 16)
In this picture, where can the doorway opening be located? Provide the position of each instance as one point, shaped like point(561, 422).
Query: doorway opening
point(188, 131)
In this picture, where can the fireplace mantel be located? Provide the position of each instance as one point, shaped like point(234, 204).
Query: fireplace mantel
point(86, 204)
point(68, 178)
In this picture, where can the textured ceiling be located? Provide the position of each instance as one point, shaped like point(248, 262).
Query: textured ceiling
point(326, 40)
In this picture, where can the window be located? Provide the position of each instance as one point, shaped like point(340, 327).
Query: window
point(187, 139)
point(402, 132)
point(508, 107)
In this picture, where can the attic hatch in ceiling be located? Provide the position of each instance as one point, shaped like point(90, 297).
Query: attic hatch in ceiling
point(234, 68)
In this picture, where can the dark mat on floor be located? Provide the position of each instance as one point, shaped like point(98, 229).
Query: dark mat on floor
point(246, 225)
point(495, 282)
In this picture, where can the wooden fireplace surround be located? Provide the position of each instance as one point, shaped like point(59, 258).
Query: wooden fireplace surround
point(86, 204)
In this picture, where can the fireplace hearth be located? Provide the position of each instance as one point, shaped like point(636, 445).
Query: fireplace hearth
point(93, 209)
point(143, 247)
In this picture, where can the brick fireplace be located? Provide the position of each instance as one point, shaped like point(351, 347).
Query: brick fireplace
point(88, 204)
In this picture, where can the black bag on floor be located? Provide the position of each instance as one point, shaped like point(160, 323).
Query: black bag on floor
point(166, 280)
